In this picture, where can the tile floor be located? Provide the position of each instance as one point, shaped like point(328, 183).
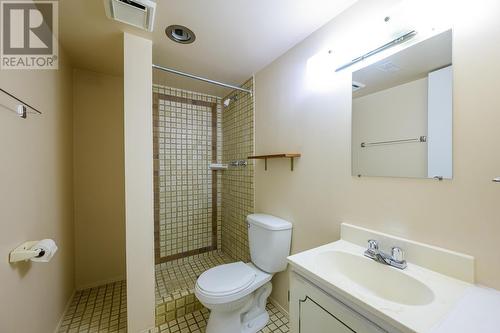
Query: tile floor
point(101, 309)
point(175, 281)
point(175, 276)
point(197, 321)
point(104, 310)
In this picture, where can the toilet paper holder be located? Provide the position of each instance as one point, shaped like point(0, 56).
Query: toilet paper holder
point(25, 251)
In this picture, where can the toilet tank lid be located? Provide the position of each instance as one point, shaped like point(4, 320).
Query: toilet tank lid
point(268, 222)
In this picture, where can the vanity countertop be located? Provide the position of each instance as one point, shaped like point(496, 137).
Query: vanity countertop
point(434, 294)
point(407, 317)
point(478, 310)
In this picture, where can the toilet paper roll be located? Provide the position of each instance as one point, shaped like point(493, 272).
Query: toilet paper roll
point(47, 249)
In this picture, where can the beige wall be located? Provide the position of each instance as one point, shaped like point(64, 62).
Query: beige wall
point(320, 193)
point(138, 110)
point(36, 198)
point(98, 178)
point(396, 113)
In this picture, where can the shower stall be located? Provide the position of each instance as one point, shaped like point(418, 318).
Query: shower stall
point(199, 210)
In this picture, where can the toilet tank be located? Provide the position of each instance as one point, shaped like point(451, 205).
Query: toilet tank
point(269, 239)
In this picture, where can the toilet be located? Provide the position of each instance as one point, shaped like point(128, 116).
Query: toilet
point(236, 293)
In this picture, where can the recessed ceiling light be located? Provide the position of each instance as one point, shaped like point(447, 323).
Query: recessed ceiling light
point(180, 34)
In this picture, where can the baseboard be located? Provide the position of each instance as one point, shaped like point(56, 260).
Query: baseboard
point(276, 304)
point(68, 303)
point(100, 283)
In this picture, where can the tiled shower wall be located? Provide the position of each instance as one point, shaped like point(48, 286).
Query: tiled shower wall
point(183, 181)
point(184, 147)
point(237, 182)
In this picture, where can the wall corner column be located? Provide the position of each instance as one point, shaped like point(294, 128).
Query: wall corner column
point(137, 74)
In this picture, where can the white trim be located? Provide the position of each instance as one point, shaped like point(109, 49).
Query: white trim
point(101, 283)
point(68, 303)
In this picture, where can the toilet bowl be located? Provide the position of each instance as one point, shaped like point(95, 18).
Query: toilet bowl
point(237, 293)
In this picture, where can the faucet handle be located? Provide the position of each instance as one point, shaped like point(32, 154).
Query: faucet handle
point(372, 245)
point(398, 255)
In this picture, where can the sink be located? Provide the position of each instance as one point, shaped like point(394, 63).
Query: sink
point(414, 299)
point(374, 278)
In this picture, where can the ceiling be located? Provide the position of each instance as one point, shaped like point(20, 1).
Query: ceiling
point(412, 63)
point(234, 38)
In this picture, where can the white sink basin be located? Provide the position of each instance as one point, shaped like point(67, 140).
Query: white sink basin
point(374, 278)
point(412, 300)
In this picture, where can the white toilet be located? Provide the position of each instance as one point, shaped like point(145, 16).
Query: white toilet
point(237, 293)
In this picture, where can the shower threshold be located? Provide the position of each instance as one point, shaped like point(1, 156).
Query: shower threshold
point(175, 282)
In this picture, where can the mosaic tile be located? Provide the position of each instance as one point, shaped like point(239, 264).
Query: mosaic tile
point(100, 309)
point(103, 310)
point(196, 322)
point(184, 136)
point(186, 140)
point(175, 281)
point(237, 182)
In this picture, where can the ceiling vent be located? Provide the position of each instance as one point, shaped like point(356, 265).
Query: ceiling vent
point(138, 13)
point(357, 85)
point(388, 66)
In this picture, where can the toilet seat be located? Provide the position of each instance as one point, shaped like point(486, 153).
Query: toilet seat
point(230, 282)
point(225, 280)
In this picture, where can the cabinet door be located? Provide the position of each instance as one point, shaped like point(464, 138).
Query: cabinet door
point(314, 318)
point(314, 311)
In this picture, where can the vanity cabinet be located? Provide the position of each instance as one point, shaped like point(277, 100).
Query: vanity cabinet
point(314, 311)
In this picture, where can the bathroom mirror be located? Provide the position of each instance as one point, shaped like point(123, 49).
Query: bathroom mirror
point(402, 113)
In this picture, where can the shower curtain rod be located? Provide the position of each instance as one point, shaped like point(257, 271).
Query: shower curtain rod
point(199, 78)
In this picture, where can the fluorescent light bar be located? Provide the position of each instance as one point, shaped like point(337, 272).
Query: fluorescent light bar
point(399, 40)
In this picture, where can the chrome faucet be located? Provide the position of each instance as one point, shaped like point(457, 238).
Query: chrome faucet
point(395, 259)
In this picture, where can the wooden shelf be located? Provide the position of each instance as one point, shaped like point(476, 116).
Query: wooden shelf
point(291, 156)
